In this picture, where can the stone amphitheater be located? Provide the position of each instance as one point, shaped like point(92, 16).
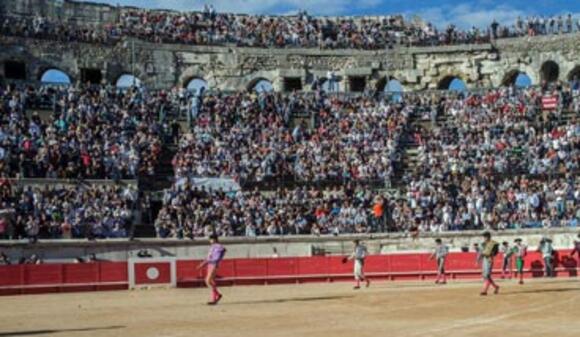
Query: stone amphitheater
point(231, 69)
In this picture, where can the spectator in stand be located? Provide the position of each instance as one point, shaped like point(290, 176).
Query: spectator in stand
point(3, 227)
point(4, 259)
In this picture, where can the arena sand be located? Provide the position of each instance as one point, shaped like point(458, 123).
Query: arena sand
point(539, 308)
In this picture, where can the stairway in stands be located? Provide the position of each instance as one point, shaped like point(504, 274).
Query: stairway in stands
point(155, 185)
point(409, 149)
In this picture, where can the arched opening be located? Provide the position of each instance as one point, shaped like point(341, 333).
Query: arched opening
point(55, 76)
point(394, 86)
point(394, 90)
point(389, 85)
point(330, 86)
point(523, 80)
point(452, 83)
point(261, 85)
point(574, 74)
point(518, 78)
point(197, 86)
point(127, 80)
point(550, 71)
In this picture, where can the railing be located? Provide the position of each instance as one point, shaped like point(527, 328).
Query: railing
point(274, 183)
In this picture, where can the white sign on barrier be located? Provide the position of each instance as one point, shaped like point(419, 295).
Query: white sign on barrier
point(152, 272)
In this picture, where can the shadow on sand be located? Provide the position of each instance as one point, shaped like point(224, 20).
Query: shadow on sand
point(290, 300)
point(54, 331)
point(543, 291)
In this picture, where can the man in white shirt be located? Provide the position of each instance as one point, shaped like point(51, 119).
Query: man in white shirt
point(359, 255)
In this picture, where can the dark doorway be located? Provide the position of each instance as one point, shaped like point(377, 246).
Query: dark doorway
point(15, 70)
point(357, 84)
point(92, 76)
point(292, 84)
point(550, 71)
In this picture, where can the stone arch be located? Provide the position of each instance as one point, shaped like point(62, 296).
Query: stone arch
point(574, 74)
point(549, 71)
point(452, 82)
point(516, 77)
point(389, 84)
point(196, 85)
point(195, 71)
point(250, 80)
point(127, 80)
point(394, 85)
point(54, 76)
point(326, 86)
point(260, 84)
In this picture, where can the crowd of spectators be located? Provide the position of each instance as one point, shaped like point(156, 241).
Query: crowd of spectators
point(500, 131)
point(196, 212)
point(66, 211)
point(41, 27)
point(488, 202)
point(542, 25)
point(92, 132)
point(494, 159)
point(429, 205)
point(209, 27)
point(498, 160)
point(247, 137)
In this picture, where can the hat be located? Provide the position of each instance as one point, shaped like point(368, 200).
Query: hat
point(518, 240)
point(486, 235)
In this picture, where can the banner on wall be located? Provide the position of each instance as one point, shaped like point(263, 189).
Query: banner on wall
point(549, 102)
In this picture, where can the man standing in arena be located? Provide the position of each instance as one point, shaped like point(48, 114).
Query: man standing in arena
point(440, 253)
point(520, 250)
point(489, 250)
point(548, 254)
point(359, 255)
point(506, 267)
point(214, 257)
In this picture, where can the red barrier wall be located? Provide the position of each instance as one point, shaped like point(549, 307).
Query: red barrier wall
point(388, 267)
point(26, 279)
point(45, 278)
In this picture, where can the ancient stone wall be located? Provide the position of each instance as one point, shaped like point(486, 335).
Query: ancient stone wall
point(232, 68)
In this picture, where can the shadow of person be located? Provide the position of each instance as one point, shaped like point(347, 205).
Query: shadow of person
point(541, 291)
point(54, 331)
point(295, 299)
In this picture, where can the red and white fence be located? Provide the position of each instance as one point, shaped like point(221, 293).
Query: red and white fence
point(26, 279)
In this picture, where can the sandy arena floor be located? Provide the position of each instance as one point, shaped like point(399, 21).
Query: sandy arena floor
point(539, 308)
